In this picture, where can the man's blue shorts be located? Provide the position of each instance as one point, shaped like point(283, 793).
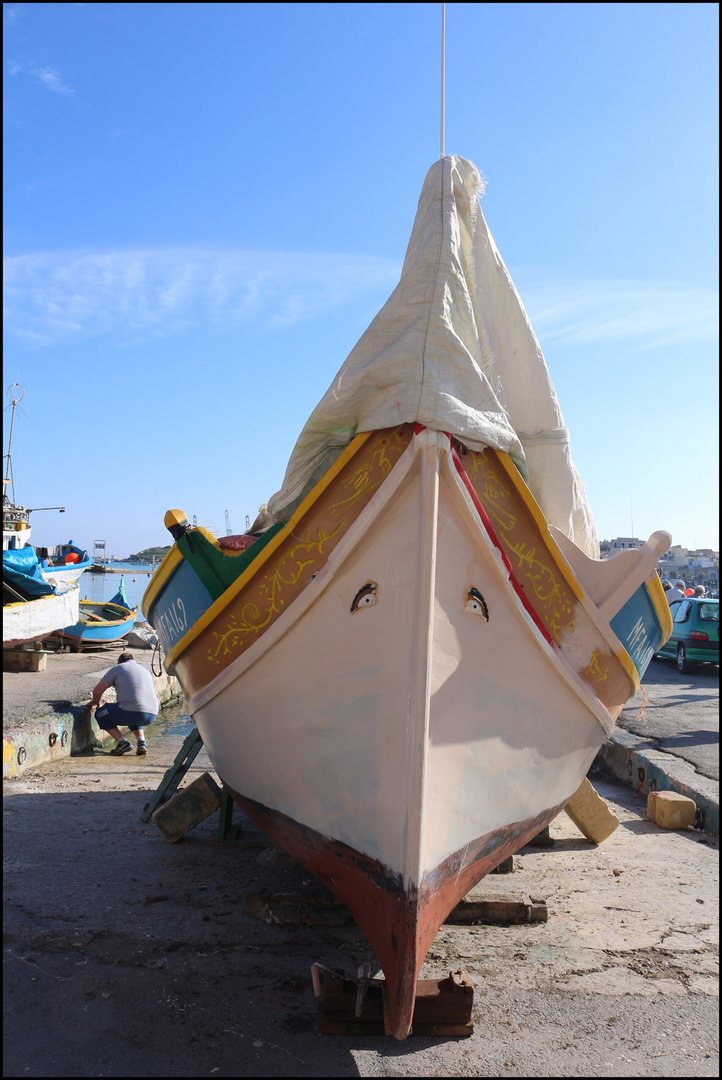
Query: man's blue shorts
point(112, 716)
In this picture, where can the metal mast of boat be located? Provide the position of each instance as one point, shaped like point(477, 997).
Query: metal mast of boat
point(443, 38)
point(16, 393)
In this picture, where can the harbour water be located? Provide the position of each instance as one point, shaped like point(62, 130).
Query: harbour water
point(136, 578)
point(173, 719)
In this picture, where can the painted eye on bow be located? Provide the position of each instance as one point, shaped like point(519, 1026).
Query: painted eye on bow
point(365, 597)
point(475, 602)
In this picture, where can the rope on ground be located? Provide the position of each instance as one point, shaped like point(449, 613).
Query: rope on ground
point(644, 703)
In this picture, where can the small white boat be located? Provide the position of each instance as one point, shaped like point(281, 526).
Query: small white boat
point(64, 564)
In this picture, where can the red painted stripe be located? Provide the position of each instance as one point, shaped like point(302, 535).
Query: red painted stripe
point(497, 544)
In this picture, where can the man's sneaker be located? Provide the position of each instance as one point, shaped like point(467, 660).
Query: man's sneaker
point(142, 749)
point(123, 747)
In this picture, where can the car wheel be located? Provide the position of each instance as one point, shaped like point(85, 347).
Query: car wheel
point(683, 663)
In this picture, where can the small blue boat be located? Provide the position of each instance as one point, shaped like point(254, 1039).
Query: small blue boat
point(101, 622)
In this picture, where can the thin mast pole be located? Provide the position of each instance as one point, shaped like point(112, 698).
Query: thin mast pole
point(10, 441)
point(443, 37)
point(16, 393)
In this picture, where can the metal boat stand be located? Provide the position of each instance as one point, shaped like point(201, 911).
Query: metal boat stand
point(358, 1006)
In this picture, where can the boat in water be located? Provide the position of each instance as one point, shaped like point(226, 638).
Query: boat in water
point(98, 623)
point(65, 563)
point(406, 668)
point(32, 607)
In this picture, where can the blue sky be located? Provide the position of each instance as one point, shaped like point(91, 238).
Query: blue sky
point(206, 204)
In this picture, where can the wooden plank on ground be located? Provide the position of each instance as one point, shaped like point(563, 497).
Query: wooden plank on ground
point(291, 909)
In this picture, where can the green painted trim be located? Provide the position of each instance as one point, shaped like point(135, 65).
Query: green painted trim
point(216, 568)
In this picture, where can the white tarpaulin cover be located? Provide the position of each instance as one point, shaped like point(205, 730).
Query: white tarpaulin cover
point(452, 349)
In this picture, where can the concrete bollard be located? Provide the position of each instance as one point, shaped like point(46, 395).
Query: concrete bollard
point(590, 813)
point(188, 808)
point(670, 810)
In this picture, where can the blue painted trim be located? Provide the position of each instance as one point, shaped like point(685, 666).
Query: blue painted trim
point(638, 628)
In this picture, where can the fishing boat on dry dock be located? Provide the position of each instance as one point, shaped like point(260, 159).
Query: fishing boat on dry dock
point(408, 674)
point(98, 623)
point(33, 607)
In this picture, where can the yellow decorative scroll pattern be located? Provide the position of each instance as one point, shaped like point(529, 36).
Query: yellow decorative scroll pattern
point(287, 572)
point(301, 555)
point(551, 597)
point(371, 474)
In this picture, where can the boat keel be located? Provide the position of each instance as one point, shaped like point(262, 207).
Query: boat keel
point(399, 922)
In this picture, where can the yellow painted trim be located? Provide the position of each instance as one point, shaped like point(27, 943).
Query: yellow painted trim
point(217, 607)
point(533, 507)
point(628, 665)
point(659, 598)
point(160, 577)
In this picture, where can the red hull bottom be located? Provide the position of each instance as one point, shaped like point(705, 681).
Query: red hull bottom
point(398, 923)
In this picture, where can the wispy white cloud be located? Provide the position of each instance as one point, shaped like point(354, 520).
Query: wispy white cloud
point(11, 12)
point(62, 296)
point(642, 315)
point(49, 298)
point(46, 75)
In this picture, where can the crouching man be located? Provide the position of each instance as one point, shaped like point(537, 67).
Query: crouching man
point(136, 705)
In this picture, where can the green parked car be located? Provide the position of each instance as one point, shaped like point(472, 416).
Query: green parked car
point(695, 633)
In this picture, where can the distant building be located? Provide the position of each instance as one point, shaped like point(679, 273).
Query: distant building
point(620, 543)
point(697, 566)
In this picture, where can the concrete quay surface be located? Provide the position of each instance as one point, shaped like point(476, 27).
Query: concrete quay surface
point(129, 956)
point(125, 955)
point(45, 712)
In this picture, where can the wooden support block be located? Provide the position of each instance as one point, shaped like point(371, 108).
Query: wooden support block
point(292, 910)
point(590, 813)
point(499, 912)
point(670, 810)
point(24, 660)
point(442, 1009)
point(188, 808)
